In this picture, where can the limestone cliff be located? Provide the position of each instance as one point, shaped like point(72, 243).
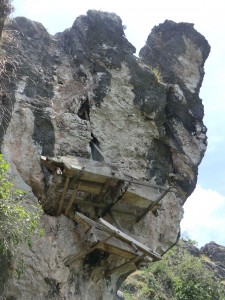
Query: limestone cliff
point(85, 86)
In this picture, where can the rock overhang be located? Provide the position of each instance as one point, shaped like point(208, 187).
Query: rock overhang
point(85, 86)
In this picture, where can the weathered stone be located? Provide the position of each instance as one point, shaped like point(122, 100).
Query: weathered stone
point(216, 258)
point(85, 85)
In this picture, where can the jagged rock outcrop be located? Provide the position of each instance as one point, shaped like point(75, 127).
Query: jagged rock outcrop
point(212, 255)
point(185, 272)
point(215, 258)
point(85, 84)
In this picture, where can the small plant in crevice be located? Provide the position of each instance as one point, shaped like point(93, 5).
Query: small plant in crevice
point(157, 73)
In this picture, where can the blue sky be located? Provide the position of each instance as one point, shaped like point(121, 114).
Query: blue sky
point(204, 217)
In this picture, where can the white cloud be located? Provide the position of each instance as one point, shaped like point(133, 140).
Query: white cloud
point(204, 216)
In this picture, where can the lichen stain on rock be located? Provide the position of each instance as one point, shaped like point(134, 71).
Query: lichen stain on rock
point(85, 86)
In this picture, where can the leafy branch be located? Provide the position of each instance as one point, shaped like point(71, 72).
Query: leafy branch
point(18, 218)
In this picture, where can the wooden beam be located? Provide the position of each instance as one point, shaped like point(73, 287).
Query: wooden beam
point(133, 260)
point(112, 231)
point(151, 206)
point(102, 205)
point(50, 165)
point(146, 183)
point(104, 188)
point(69, 205)
point(93, 168)
point(60, 206)
point(91, 187)
point(91, 236)
point(80, 218)
point(90, 203)
point(104, 240)
point(118, 194)
point(126, 238)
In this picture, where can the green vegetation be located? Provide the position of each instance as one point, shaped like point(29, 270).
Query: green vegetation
point(18, 218)
point(178, 276)
point(157, 73)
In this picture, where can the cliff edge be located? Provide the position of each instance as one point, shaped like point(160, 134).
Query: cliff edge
point(83, 94)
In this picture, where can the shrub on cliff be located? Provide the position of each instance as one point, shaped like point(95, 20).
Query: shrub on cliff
point(18, 219)
point(179, 276)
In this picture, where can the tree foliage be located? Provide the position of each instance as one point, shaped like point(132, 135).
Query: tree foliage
point(179, 276)
point(18, 218)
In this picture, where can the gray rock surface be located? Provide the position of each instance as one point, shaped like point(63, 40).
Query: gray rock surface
point(144, 113)
point(216, 258)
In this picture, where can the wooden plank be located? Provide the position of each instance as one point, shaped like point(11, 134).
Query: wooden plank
point(50, 165)
point(87, 222)
point(132, 261)
point(107, 247)
point(114, 246)
point(151, 206)
point(129, 239)
point(82, 202)
point(152, 185)
point(89, 166)
point(61, 201)
point(139, 196)
point(101, 241)
point(108, 228)
point(91, 187)
point(102, 170)
point(89, 203)
point(111, 244)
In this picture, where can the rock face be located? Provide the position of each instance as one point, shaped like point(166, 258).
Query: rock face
point(212, 255)
point(62, 92)
point(215, 255)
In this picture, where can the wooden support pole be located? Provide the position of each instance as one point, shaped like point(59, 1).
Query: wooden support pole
point(146, 183)
point(152, 205)
point(72, 199)
point(104, 189)
point(63, 196)
point(103, 241)
point(116, 197)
